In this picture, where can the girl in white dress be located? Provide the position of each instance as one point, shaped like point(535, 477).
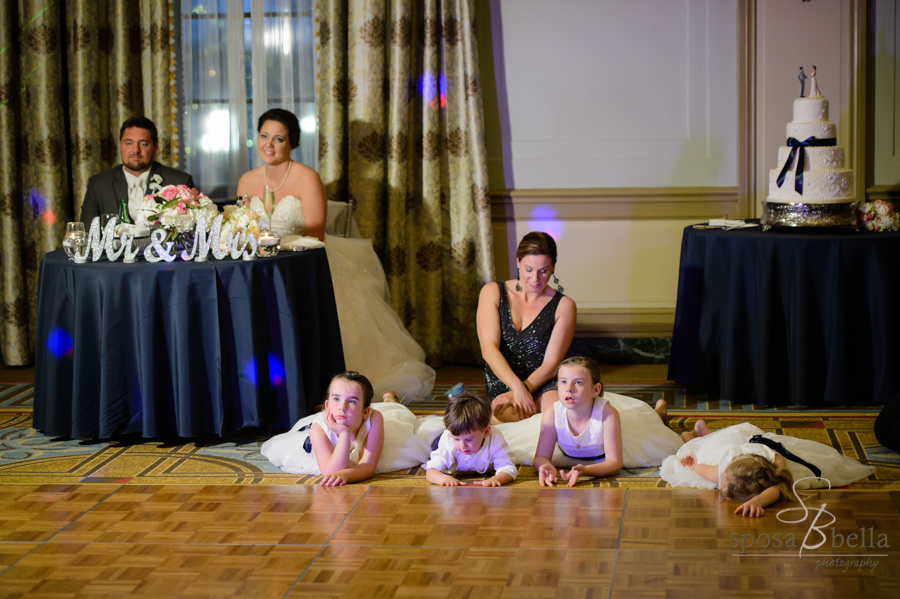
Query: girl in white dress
point(589, 426)
point(373, 336)
point(351, 438)
point(342, 442)
point(757, 468)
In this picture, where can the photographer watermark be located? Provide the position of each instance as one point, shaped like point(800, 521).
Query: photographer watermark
point(816, 537)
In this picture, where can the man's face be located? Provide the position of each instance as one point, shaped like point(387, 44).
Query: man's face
point(137, 150)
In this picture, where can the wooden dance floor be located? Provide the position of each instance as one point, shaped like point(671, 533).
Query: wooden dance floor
point(110, 540)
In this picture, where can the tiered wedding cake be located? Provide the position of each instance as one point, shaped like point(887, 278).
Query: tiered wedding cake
point(810, 186)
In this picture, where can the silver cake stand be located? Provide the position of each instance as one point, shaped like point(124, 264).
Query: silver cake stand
point(779, 214)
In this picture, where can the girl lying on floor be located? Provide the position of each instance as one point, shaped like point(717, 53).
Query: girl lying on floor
point(588, 431)
point(757, 468)
point(351, 438)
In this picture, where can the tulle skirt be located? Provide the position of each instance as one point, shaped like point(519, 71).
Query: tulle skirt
point(375, 341)
point(646, 440)
point(407, 442)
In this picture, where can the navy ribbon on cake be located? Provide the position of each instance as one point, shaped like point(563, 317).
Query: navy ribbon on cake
point(795, 145)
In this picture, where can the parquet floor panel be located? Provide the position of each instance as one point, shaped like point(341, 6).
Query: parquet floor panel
point(700, 574)
point(348, 571)
point(37, 512)
point(236, 514)
point(80, 570)
point(473, 517)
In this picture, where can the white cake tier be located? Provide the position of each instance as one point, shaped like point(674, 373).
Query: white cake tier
point(817, 159)
point(819, 187)
point(802, 131)
point(810, 110)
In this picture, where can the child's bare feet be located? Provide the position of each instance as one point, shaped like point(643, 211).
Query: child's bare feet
point(390, 397)
point(699, 430)
point(662, 409)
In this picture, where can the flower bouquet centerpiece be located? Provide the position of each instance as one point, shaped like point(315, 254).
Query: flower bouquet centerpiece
point(175, 209)
point(240, 221)
point(878, 216)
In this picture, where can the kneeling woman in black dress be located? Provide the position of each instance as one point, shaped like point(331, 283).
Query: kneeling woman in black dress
point(525, 328)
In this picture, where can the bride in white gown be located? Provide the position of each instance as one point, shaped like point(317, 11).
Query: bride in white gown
point(375, 341)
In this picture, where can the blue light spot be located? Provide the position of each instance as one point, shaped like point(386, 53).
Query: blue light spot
point(277, 374)
point(59, 343)
point(543, 213)
point(250, 371)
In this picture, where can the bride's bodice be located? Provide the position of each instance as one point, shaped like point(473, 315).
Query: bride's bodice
point(287, 216)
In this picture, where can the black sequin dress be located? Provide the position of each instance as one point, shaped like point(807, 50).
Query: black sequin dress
point(524, 350)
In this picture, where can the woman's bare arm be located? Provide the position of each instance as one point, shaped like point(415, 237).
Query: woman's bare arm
point(311, 192)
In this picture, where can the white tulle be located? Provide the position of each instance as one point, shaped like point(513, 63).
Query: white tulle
point(403, 447)
point(646, 440)
point(375, 341)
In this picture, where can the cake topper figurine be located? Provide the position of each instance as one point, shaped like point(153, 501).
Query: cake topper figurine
point(802, 77)
point(813, 87)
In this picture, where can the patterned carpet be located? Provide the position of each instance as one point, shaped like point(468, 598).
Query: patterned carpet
point(27, 456)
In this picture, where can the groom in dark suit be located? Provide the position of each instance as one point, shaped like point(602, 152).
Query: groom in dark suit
point(130, 180)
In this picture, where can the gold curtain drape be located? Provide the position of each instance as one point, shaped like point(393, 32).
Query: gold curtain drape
point(401, 131)
point(70, 74)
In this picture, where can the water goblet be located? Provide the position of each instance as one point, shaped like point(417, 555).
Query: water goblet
point(75, 239)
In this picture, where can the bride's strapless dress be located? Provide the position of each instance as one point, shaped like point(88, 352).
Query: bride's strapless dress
point(375, 341)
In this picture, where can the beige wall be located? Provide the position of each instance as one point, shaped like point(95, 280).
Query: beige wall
point(611, 125)
point(885, 72)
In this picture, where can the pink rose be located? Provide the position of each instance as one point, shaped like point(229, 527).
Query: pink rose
point(169, 193)
point(181, 208)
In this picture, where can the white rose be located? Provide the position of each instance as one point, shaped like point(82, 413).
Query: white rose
point(887, 223)
point(882, 209)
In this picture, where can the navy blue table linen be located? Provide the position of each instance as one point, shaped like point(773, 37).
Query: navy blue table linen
point(789, 317)
point(187, 348)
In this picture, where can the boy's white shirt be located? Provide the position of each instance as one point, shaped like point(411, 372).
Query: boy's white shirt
point(493, 452)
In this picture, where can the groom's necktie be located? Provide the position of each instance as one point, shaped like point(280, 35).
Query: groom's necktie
point(778, 447)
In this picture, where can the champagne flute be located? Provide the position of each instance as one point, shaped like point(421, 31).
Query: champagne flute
point(268, 200)
point(74, 240)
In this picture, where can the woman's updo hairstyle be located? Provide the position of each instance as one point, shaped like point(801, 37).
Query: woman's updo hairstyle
point(537, 243)
point(286, 118)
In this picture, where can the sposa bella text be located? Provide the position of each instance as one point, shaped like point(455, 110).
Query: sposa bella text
point(864, 540)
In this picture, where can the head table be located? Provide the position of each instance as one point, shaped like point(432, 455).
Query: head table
point(804, 317)
point(187, 348)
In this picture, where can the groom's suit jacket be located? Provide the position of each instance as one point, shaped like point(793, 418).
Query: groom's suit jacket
point(105, 189)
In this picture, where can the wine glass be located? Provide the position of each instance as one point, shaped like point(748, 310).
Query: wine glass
point(105, 218)
point(75, 240)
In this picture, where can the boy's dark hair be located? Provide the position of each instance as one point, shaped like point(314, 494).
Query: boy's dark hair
point(141, 122)
point(467, 413)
